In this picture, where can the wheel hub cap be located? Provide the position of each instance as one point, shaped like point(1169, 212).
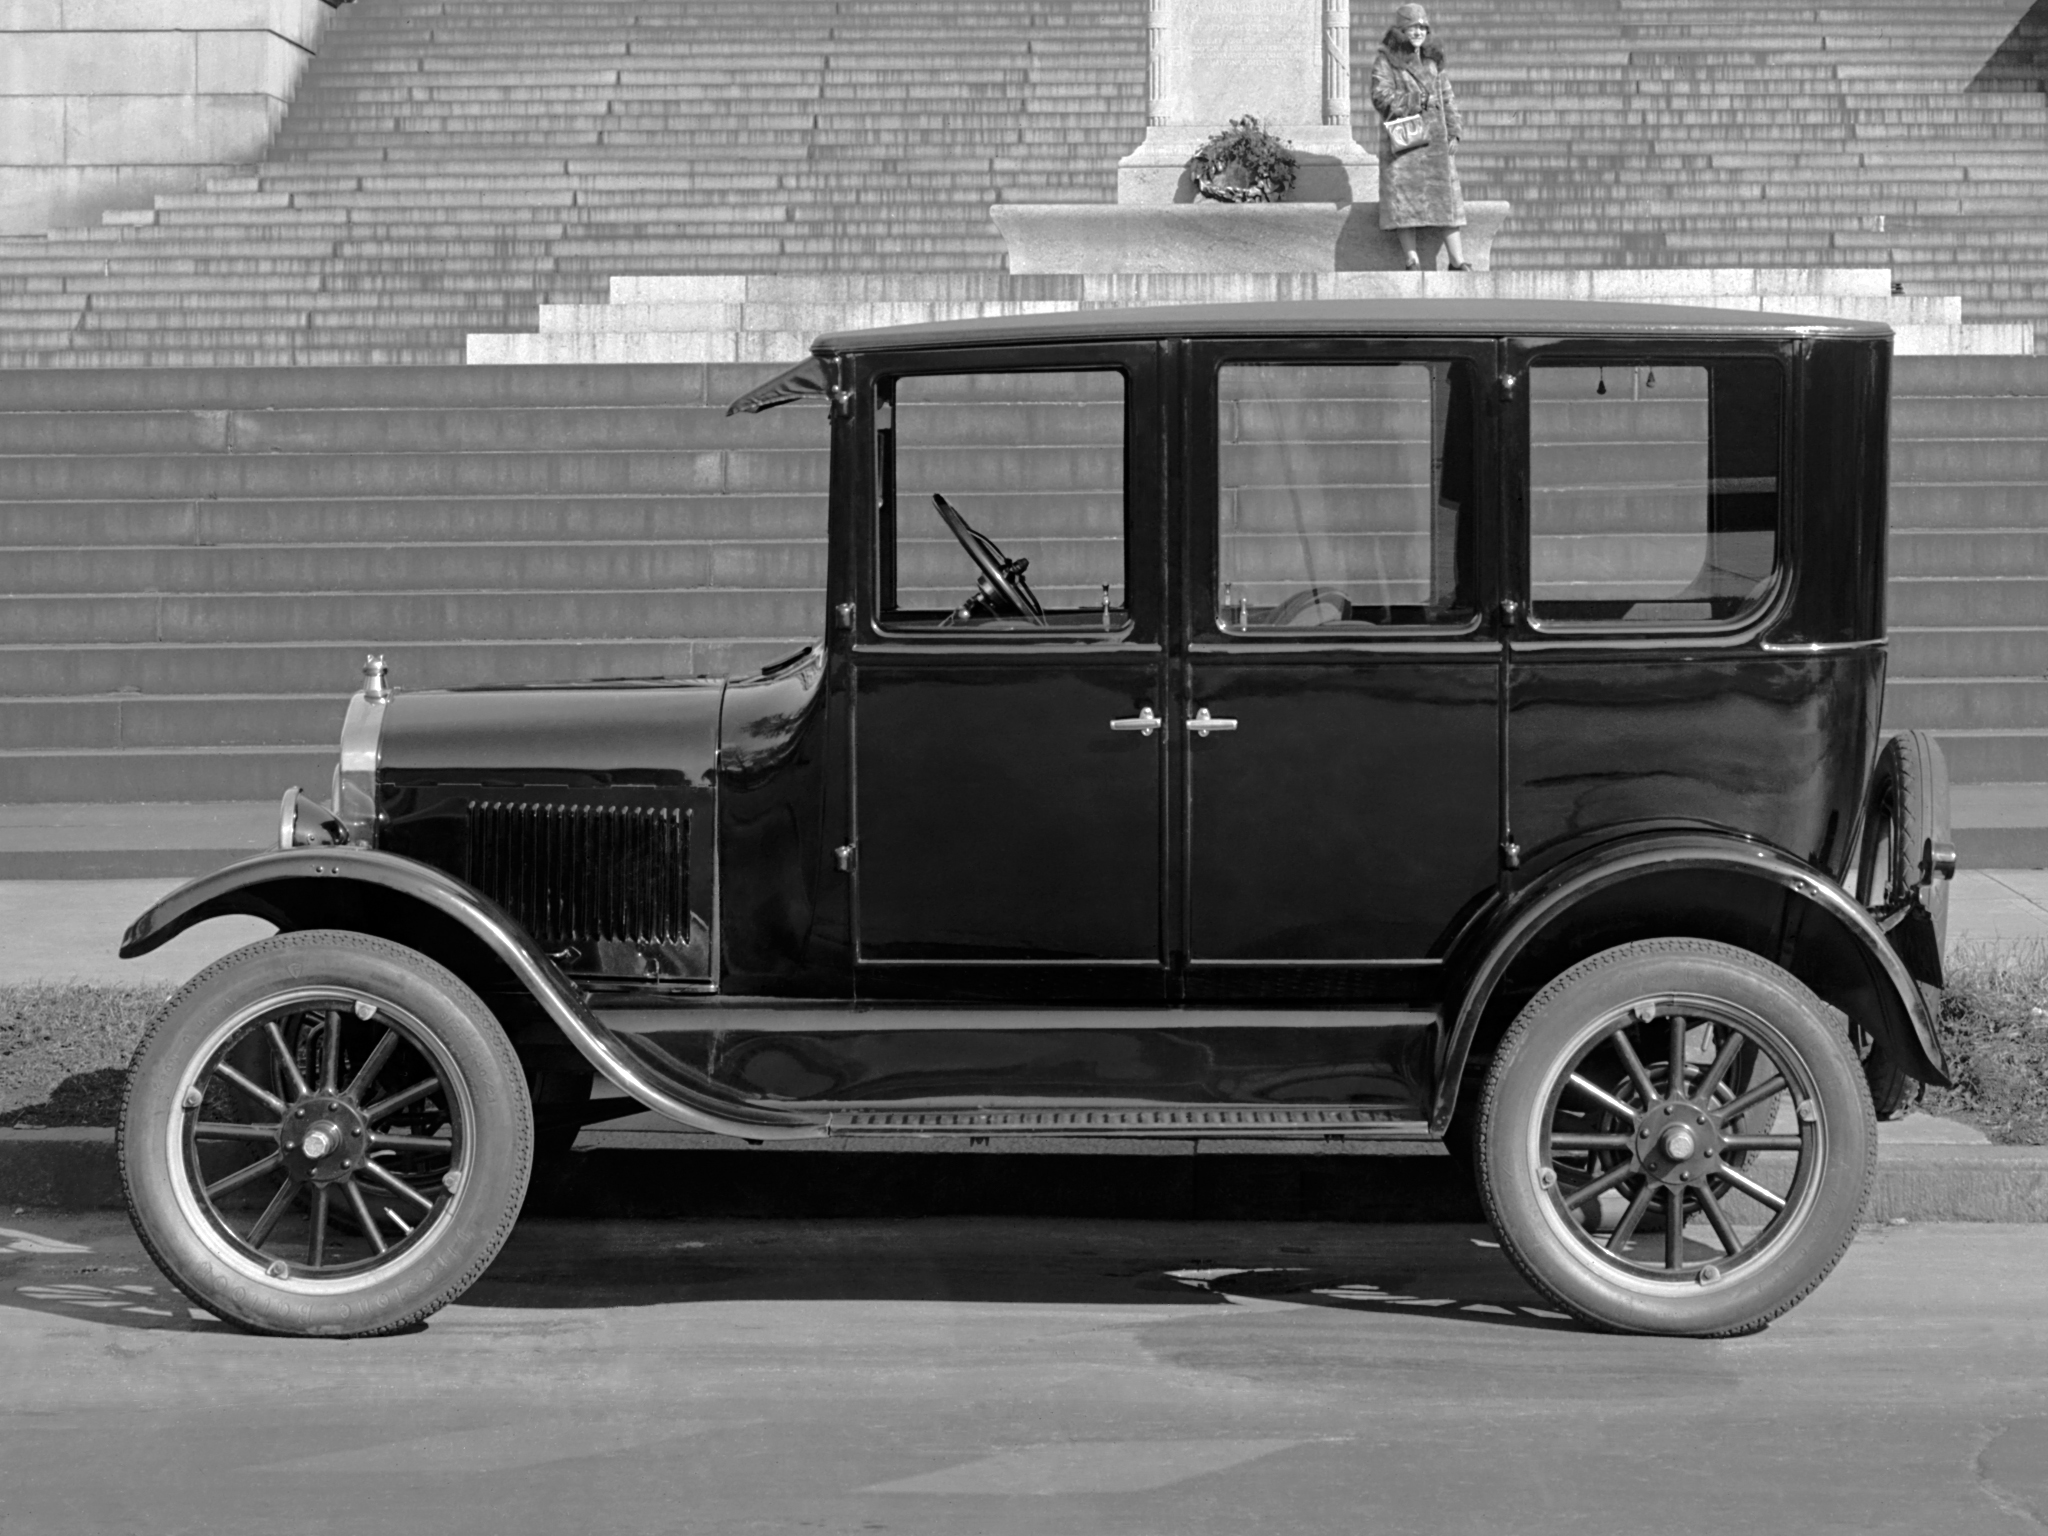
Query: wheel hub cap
point(323, 1138)
point(1679, 1143)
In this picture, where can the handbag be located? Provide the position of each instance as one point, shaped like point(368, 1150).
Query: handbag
point(1406, 133)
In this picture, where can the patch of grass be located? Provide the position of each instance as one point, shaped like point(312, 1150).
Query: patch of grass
point(64, 1050)
point(1994, 1026)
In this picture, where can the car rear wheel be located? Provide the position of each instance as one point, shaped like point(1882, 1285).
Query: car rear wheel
point(1674, 1140)
point(325, 1133)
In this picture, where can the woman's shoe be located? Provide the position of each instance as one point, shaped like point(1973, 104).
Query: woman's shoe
point(1461, 266)
point(1414, 262)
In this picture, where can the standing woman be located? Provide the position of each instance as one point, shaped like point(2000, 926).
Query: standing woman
point(1419, 184)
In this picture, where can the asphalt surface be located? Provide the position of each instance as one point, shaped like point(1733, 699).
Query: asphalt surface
point(1054, 1377)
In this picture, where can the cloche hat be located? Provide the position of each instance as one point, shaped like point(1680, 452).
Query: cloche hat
point(1410, 16)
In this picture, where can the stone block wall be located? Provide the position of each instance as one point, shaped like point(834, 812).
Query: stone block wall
point(105, 103)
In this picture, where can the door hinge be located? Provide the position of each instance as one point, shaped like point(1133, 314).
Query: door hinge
point(846, 856)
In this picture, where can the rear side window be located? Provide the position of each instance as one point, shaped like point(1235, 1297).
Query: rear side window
point(1654, 491)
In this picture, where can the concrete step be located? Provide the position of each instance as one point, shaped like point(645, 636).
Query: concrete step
point(372, 618)
point(189, 773)
point(637, 472)
point(582, 565)
point(1986, 756)
point(1968, 651)
point(332, 668)
point(125, 434)
point(1945, 602)
point(1969, 703)
point(133, 722)
point(207, 522)
point(1979, 552)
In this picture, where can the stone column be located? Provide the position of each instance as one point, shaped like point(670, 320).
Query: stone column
point(1286, 62)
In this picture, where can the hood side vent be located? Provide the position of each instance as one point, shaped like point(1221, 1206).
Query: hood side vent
point(584, 877)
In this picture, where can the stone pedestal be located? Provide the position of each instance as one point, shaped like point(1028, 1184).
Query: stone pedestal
point(1286, 62)
point(1221, 237)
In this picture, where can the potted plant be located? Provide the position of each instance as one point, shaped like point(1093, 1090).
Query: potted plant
point(1243, 164)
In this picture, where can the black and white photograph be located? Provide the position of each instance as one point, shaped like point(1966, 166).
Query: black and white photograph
point(1023, 767)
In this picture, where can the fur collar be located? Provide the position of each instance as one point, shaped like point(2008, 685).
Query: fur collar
point(1396, 48)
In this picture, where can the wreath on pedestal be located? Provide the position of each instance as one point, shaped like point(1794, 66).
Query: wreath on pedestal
point(1244, 164)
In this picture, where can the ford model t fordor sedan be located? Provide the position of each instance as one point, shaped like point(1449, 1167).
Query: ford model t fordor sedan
point(1451, 721)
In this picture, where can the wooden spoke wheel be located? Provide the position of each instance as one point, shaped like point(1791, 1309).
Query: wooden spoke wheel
point(326, 1134)
point(1674, 1140)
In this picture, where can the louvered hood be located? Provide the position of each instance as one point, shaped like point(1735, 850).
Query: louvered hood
point(587, 812)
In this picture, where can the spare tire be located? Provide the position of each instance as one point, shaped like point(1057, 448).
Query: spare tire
point(1905, 854)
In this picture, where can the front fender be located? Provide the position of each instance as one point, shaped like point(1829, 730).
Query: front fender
point(339, 887)
point(1691, 884)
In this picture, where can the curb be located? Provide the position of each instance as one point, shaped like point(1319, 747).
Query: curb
point(71, 1169)
point(1931, 1182)
point(75, 1169)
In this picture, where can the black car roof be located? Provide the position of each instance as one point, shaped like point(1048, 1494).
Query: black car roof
point(1352, 317)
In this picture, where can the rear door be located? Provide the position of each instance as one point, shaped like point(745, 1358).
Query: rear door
point(1340, 696)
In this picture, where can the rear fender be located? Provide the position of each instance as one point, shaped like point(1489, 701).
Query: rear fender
point(1691, 885)
point(362, 890)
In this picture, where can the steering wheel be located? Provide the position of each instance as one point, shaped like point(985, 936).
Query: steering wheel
point(1000, 587)
point(1291, 609)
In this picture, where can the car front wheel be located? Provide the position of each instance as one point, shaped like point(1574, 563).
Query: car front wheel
point(325, 1133)
point(1673, 1140)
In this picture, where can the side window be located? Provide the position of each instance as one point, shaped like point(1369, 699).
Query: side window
point(1653, 491)
point(1002, 503)
point(1345, 496)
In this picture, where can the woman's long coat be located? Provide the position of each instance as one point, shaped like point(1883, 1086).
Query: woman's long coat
point(1420, 189)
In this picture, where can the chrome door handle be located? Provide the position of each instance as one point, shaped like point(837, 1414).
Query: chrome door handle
point(1204, 723)
point(1144, 722)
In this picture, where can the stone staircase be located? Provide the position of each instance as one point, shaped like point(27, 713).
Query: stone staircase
point(1662, 133)
point(448, 165)
point(199, 558)
point(1968, 606)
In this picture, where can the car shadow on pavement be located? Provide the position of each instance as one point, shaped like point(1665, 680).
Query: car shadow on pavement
point(1452, 1273)
point(1443, 1271)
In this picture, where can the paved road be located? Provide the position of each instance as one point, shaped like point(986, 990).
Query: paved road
point(960, 1376)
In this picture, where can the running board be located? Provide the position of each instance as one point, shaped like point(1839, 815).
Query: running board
point(1134, 1120)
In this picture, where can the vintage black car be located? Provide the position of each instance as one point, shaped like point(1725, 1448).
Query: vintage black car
point(1397, 720)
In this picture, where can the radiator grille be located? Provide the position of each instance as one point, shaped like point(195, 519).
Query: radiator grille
point(583, 874)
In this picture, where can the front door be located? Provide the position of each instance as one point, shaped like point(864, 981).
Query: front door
point(1009, 807)
point(1342, 681)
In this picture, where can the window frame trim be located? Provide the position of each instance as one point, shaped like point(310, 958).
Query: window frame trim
point(1201, 554)
point(1137, 363)
point(1526, 355)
